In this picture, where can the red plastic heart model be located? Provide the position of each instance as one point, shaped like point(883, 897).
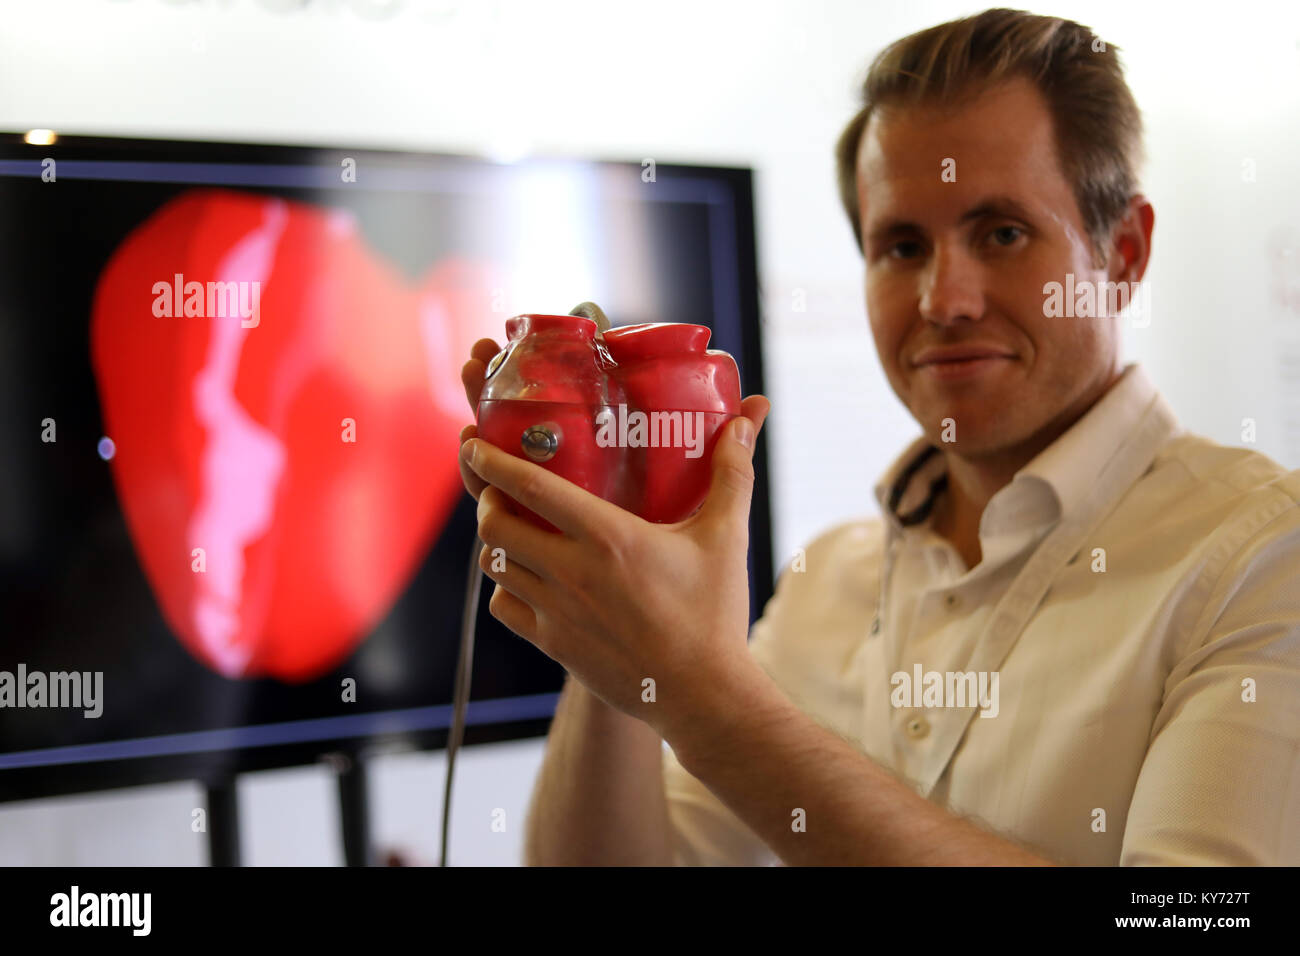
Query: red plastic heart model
point(301, 430)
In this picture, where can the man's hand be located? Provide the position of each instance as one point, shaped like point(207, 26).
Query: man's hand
point(616, 600)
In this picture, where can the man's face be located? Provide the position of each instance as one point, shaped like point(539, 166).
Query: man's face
point(964, 263)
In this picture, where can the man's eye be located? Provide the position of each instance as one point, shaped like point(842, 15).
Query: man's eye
point(904, 250)
point(1006, 235)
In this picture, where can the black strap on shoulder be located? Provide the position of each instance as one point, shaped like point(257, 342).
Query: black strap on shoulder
point(919, 514)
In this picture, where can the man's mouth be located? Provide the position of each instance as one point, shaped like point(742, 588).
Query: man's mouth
point(959, 353)
point(950, 369)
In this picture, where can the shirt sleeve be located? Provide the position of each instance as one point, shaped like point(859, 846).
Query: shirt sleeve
point(1220, 785)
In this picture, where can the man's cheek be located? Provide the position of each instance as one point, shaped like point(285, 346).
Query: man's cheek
point(883, 325)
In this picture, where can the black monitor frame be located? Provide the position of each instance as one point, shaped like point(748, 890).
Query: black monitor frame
point(69, 778)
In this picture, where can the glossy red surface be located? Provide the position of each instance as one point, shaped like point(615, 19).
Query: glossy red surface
point(637, 412)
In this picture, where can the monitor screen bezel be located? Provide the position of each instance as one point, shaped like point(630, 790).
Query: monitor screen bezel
point(93, 776)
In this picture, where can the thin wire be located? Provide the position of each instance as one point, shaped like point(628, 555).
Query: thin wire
point(464, 667)
point(594, 312)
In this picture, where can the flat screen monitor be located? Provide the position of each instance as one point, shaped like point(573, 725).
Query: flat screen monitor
point(232, 531)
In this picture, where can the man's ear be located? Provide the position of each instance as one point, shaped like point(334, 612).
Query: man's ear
point(1131, 241)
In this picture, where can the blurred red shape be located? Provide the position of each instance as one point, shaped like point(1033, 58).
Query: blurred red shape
point(307, 446)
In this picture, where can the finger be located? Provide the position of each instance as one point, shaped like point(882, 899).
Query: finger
point(511, 575)
point(522, 541)
point(574, 510)
point(472, 374)
point(755, 408)
point(472, 482)
point(731, 487)
point(483, 350)
point(513, 613)
point(474, 371)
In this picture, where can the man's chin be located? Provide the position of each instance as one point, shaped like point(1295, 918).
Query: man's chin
point(971, 437)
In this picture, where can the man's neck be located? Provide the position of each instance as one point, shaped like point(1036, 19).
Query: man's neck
point(972, 482)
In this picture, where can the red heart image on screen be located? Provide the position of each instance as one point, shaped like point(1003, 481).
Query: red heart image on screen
point(285, 409)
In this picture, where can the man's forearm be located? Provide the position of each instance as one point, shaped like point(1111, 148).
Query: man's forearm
point(812, 797)
point(599, 798)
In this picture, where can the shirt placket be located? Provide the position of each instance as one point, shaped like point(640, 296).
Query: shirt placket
point(912, 725)
point(1013, 611)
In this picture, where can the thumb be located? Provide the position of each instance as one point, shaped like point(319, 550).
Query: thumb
point(732, 486)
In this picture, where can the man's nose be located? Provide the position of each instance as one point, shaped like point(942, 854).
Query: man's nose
point(951, 287)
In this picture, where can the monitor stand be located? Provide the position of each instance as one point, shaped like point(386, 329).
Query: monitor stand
point(354, 816)
point(354, 809)
point(223, 822)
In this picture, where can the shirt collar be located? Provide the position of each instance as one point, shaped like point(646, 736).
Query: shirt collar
point(1069, 466)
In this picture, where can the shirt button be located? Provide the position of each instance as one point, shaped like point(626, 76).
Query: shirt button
point(918, 727)
point(952, 601)
point(875, 624)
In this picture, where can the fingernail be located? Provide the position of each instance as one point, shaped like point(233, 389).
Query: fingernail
point(468, 452)
point(745, 433)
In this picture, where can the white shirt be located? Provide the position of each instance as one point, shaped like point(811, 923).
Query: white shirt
point(1147, 713)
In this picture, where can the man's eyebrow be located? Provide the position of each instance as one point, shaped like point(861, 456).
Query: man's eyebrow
point(989, 206)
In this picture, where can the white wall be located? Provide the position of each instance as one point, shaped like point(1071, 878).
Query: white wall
point(763, 84)
point(290, 817)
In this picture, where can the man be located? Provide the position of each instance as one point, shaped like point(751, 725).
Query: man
point(1074, 636)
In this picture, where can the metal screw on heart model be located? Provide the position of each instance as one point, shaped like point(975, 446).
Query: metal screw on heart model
point(464, 660)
